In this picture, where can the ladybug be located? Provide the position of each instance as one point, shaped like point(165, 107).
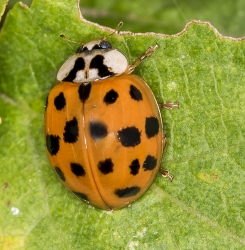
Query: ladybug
point(103, 127)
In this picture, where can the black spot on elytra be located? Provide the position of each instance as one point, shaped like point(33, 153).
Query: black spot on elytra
point(127, 192)
point(79, 65)
point(98, 130)
point(151, 126)
point(81, 196)
point(150, 163)
point(60, 101)
point(84, 91)
point(77, 169)
point(71, 131)
point(60, 173)
point(110, 97)
point(129, 137)
point(97, 63)
point(135, 93)
point(134, 167)
point(53, 144)
point(106, 166)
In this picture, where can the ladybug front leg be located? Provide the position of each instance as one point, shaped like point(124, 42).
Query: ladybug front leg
point(149, 52)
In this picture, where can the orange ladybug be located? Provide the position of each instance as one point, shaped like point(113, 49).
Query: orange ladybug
point(103, 127)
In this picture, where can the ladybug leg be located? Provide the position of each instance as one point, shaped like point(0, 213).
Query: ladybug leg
point(168, 105)
point(165, 173)
point(150, 51)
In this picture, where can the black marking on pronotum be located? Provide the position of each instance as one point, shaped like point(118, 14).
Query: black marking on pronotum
point(71, 131)
point(81, 49)
point(135, 93)
point(106, 166)
point(96, 46)
point(151, 126)
point(150, 163)
point(97, 63)
point(134, 167)
point(84, 91)
point(79, 65)
point(110, 97)
point(77, 169)
point(53, 144)
point(127, 192)
point(129, 137)
point(60, 173)
point(98, 130)
point(60, 101)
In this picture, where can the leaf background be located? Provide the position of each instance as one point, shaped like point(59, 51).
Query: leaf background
point(203, 208)
point(164, 16)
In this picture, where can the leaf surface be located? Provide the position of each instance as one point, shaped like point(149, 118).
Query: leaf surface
point(203, 208)
point(3, 4)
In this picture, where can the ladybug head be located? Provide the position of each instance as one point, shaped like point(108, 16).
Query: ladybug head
point(95, 44)
point(98, 43)
point(93, 61)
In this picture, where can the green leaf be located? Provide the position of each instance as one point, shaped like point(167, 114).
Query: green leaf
point(203, 208)
point(3, 4)
point(166, 16)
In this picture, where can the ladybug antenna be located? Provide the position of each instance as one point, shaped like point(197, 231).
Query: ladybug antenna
point(116, 29)
point(69, 40)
